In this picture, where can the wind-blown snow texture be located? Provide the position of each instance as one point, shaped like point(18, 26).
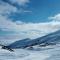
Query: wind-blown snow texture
point(46, 53)
point(51, 52)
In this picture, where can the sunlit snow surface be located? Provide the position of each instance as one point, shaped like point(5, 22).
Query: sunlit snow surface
point(38, 53)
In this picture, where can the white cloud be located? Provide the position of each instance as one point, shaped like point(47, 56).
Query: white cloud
point(25, 30)
point(27, 11)
point(55, 18)
point(5, 8)
point(19, 2)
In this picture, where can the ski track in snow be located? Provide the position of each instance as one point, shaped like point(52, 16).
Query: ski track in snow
point(38, 53)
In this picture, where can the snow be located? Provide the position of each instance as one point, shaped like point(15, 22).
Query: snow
point(37, 53)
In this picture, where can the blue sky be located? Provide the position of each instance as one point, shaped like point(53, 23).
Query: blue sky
point(40, 11)
point(28, 18)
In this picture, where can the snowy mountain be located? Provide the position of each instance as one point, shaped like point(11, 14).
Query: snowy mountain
point(52, 38)
point(38, 53)
point(19, 43)
point(45, 53)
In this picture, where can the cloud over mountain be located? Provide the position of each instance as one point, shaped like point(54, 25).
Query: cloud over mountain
point(22, 29)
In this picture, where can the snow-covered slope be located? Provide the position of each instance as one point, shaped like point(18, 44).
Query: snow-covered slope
point(47, 39)
point(51, 52)
point(38, 53)
point(52, 37)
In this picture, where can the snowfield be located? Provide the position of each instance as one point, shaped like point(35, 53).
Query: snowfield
point(37, 53)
